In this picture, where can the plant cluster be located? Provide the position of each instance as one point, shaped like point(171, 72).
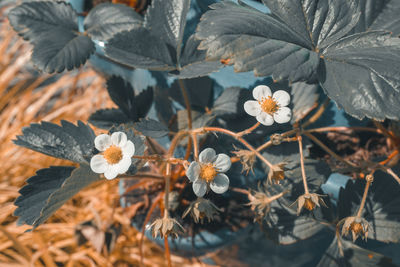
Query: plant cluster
point(205, 156)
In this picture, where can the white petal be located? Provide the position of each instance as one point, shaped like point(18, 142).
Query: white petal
point(124, 164)
point(102, 142)
point(98, 164)
point(282, 97)
point(193, 171)
point(199, 187)
point(207, 155)
point(222, 163)
point(220, 183)
point(252, 107)
point(265, 119)
point(261, 91)
point(129, 149)
point(283, 115)
point(119, 139)
point(111, 172)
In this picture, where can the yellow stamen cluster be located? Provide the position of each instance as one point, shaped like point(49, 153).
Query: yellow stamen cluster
point(309, 204)
point(357, 228)
point(269, 105)
point(208, 172)
point(113, 154)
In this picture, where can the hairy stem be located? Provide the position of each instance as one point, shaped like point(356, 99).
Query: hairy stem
point(342, 129)
point(187, 102)
point(364, 198)
point(249, 130)
point(195, 146)
point(303, 171)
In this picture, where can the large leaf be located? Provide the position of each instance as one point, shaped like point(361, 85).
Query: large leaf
point(304, 98)
point(285, 48)
point(107, 19)
point(360, 73)
point(382, 208)
point(167, 19)
point(306, 40)
point(230, 102)
point(353, 255)
point(48, 190)
point(67, 141)
point(52, 28)
point(158, 44)
point(370, 10)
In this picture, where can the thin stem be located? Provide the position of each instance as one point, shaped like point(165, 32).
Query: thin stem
point(303, 171)
point(341, 129)
point(240, 139)
point(364, 198)
point(167, 185)
point(249, 130)
point(317, 114)
point(391, 172)
point(329, 151)
point(141, 175)
point(187, 102)
point(195, 146)
point(283, 135)
point(167, 253)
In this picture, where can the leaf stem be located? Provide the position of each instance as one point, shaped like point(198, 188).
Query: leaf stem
point(187, 102)
point(195, 146)
point(340, 129)
point(249, 130)
point(303, 171)
point(369, 178)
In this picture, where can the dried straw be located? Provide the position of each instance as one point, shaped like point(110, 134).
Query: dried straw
point(25, 99)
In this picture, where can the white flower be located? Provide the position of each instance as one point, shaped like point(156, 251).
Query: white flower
point(209, 171)
point(116, 157)
point(268, 109)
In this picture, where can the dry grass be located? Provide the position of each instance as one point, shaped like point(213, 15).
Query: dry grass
point(74, 96)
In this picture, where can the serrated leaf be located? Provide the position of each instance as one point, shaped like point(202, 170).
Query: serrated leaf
point(230, 102)
point(370, 10)
point(52, 28)
point(388, 18)
point(193, 61)
point(67, 141)
point(353, 255)
point(168, 19)
point(285, 48)
point(107, 118)
point(382, 208)
point(49, 190)
point(107, 19)
point(151, 128)
point(360, 73)
point(140, 49)
point(304, 98)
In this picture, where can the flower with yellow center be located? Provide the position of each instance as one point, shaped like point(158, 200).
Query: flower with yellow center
point(269, 107)
point(116, 156)
point(209, 171)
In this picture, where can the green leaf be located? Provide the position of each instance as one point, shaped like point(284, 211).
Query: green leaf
point(52, 28)
point(353, 255)
point(107, 118)
point(304, 98)
point(48, 190)
point(360, 73)
point(285, 47)
point(193, 61)
point(105, 20)
point(167, 19)
point(151, 128)
point(382, 208)
point(67, 141)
